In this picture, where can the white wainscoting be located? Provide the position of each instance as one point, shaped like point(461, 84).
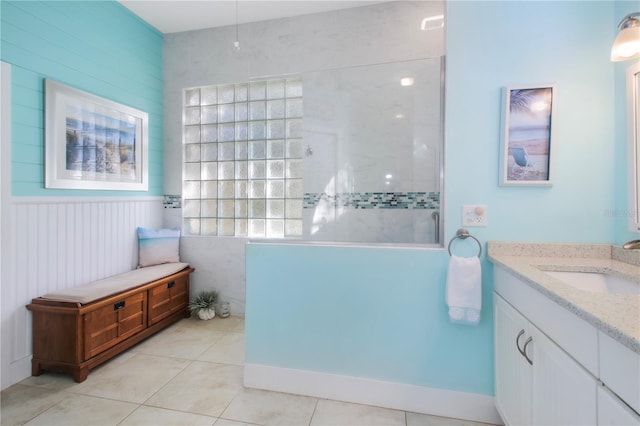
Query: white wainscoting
point(59, 242)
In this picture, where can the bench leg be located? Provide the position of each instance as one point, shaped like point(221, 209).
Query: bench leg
point(80, 374)
point(35, 368)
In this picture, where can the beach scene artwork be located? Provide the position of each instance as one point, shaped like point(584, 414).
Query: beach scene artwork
point(529, 134)
point(92, 142)
point(100, 146)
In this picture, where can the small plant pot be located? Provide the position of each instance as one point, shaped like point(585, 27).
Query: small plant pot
point(203, 306)
point(206, 314)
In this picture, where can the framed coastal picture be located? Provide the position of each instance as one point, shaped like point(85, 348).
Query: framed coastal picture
point(92, 142)
point(527, 139)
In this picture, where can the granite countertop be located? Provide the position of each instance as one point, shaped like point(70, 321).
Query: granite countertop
point(617, 315)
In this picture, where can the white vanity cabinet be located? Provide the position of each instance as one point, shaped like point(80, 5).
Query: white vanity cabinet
point(537, 383)
point(554, 368)
point(512, 372)
point(620, 371)
point(563, 393)
point(612, 411)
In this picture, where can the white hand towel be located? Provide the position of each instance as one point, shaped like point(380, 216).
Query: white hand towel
point(464, 290)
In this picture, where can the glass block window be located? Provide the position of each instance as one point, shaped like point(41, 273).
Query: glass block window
point(242, 154)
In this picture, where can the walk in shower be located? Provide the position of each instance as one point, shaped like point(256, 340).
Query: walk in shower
point(373, 153)
point(343, 155)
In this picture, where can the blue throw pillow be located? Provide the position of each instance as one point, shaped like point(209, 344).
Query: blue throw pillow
point(157, 246)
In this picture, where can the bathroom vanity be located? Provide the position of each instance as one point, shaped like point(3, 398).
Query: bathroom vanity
point(567, 346)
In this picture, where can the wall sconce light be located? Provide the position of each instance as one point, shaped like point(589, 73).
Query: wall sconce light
point(627, 44)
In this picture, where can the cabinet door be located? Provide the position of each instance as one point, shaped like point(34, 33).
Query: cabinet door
point(613, 412)
point(167, 298)
point(512, 371)
point(563, 392)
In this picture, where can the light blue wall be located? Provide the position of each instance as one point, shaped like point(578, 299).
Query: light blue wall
point(495, 44)
point(96, 46)
point(363, 312)
point(380, 313)
point(622, 205)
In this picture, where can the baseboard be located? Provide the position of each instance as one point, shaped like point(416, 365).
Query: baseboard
point(398, 396)
point(15, 372)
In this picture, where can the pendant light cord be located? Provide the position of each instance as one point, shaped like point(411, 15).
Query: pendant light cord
point(236, 43)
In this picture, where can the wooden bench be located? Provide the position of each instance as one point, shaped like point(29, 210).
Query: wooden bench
point(77, 329)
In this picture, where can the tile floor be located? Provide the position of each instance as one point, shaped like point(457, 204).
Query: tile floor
point(188, 374)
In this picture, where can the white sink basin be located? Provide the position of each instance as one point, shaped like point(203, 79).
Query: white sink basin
point(596, 282)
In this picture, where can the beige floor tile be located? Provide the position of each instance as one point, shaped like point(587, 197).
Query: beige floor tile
point(230, 324)
point(228, 350)
point(51, 380)
point(132, 380)
point(203, 388)
point(415, 419)
point(145, 416)
point(20, 403)
point(64, 381)
point(189, 374)
point(84, 411)
point(225, 422)
point(270, 408)
point(234, 324)
point(180, 341)
point(335, 413)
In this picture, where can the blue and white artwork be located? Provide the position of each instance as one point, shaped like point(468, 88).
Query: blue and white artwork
point(529, 134)
point(100, 145)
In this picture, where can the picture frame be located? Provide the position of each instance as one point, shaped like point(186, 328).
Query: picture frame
point(527, 141)
point(92, 142)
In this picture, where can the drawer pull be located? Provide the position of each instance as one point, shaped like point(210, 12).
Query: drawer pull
point(171, 284)
point(118, 305)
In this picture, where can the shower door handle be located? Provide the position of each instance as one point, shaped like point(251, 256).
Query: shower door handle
point(436, 217)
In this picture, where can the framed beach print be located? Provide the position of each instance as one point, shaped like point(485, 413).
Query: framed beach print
point(92, 142)
point(527, 138)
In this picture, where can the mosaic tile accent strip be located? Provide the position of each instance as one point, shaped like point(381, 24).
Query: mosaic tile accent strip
point(374, 200)
point(172, 202)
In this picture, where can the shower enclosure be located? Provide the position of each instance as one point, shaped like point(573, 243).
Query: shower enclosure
point(373, 153)
point(342, 155)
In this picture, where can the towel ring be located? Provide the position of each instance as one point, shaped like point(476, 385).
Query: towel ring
point(463, 234)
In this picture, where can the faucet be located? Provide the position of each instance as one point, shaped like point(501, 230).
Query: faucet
point(632, 245)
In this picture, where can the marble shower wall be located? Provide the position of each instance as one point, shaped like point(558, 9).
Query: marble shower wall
point(378, 34)
point(372, 143)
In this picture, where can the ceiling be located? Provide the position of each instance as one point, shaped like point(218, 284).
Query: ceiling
point(170, 16)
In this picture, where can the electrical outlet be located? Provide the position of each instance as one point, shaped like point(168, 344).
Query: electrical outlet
point(474, 215)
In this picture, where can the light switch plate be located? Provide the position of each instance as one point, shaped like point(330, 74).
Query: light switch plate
point(474, 215)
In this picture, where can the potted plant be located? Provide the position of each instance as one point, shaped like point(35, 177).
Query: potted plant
point(203, 306)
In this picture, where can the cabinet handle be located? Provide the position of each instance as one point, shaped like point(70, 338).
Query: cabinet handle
point(518, 341)
point(524, 350)
point(118, 305)
point(171, 284)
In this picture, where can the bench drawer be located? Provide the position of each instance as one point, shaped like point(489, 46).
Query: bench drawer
point(107, 325)
point(168, 298)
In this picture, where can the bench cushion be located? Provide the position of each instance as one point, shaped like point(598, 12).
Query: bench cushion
point(115, 284)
